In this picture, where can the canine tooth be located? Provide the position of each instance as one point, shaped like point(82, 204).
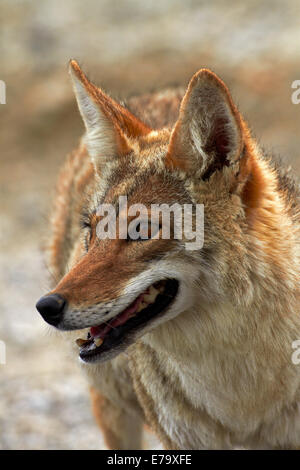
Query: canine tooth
point(98, 341)
point(133, 314)
point(80, 341)
point(151, 296)
point(153, 290)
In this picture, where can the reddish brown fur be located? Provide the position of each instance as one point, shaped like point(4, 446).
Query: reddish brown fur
point(111, 420)
point(258, 227)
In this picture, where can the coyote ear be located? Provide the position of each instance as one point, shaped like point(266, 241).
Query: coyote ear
point(208, 134)
point(109, 125)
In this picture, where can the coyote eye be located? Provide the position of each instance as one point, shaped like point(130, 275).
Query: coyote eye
point(87, 230)
point(87, 236)
point(143, 230)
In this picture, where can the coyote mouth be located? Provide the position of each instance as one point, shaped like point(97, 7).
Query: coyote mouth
point(117, 333)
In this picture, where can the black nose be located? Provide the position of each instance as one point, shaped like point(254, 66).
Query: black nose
point(51, 308)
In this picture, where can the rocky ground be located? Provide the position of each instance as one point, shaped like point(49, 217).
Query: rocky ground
point(128, 47)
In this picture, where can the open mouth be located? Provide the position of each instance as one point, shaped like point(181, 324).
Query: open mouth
point(116, 333)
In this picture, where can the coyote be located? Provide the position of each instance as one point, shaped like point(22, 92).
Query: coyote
point(197, 345)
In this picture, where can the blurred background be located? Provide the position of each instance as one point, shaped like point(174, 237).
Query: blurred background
point(127, 47)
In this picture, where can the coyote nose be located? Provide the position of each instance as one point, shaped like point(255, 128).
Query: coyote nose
point(51, 308)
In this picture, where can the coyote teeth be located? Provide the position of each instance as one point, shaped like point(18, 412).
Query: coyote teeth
point(151, 295)
point(98, 341)
point(81, 342)
point(133, 314)
point(140, 308)
point(150, 298)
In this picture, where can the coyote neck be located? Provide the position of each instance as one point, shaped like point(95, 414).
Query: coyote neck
point(204, 373)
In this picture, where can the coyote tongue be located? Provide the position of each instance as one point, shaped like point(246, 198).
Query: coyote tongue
point(100, 331)
point(117, 330)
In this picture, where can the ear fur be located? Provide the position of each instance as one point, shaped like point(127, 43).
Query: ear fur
point(209, 132)
point(109, 126)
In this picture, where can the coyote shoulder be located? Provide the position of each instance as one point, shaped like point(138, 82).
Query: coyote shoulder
point(195, 344)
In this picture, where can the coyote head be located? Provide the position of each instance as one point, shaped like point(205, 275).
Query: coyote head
point(122, 287)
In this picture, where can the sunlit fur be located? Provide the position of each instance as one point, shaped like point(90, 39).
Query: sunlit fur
point(216, 371)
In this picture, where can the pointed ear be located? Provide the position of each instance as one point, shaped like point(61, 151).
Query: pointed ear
point(109, 126)
point(209, 132)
